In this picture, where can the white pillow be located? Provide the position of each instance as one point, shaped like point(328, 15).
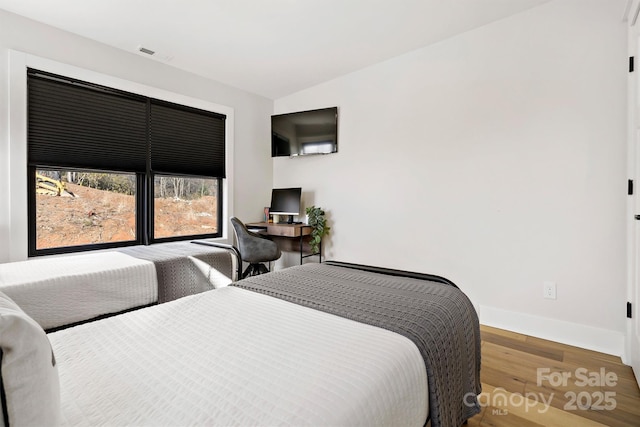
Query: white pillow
point(28, 372)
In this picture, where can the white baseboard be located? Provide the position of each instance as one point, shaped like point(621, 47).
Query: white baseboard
point(575, 334)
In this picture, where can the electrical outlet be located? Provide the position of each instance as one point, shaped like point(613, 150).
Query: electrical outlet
point(549, 290)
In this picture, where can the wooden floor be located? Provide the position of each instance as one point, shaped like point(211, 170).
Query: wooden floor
point(528, 381)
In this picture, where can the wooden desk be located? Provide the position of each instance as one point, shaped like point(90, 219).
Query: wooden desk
point(289, 237)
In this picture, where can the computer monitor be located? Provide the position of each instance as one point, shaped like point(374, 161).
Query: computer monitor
point(285, 201)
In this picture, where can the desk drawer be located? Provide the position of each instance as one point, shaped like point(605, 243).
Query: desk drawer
point(292, 244)
point(284, 230)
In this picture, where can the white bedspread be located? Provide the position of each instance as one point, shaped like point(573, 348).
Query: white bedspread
point(234, 357)
point(57, 291)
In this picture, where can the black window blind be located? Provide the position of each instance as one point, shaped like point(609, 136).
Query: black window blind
point(76, 124)
point(77, 127)
point(186, 141)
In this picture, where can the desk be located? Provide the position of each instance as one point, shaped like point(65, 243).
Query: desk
point(285, 235)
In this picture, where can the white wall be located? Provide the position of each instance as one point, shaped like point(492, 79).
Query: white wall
point(496, 159)
point(4, 156)
point(252, 166)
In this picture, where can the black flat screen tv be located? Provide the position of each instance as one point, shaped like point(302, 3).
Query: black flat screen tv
point(304, 133)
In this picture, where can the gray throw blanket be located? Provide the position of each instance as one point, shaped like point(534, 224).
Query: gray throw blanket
point(437, 317)
point(178, 275)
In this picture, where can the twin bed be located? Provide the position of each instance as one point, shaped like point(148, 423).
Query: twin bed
point(320, 344)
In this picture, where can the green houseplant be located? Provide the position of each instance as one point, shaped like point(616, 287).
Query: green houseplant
point(317, 220)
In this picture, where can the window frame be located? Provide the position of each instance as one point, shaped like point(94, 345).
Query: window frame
point(144, 182)
point(31, 214)
point(151, 207)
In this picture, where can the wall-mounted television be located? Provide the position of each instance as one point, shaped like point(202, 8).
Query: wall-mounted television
point(305, 132)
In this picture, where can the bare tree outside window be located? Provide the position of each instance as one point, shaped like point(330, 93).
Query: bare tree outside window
point(184, 206)
point(75, 208)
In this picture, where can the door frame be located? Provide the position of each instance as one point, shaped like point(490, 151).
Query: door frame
point(632, 341)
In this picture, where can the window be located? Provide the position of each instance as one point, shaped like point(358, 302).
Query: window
point(144, 170)
point(75, 208)
point(184, 206)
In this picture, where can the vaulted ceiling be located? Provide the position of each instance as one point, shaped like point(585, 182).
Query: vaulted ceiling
point(269, 47)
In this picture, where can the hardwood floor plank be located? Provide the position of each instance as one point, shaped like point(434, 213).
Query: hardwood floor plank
point(580, 352)
point(518, 363)
point(508, 334)
point(525, 346)
point(628, 404)
point(575, 387)
point(492, 375)
point(500, 419)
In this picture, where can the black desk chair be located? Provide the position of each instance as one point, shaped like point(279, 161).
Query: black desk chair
point(254, 249)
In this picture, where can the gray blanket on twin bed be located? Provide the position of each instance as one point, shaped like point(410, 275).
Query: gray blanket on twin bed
point(437, 317)
point(178, 274)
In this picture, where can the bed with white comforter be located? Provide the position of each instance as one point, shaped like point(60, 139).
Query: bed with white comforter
point(57, 291)
point(311, 345)
point(234, 357)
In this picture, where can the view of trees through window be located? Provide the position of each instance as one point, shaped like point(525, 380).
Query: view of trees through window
point(184, 206)
point(81, 208)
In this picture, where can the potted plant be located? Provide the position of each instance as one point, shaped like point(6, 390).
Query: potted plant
point(317, 220)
